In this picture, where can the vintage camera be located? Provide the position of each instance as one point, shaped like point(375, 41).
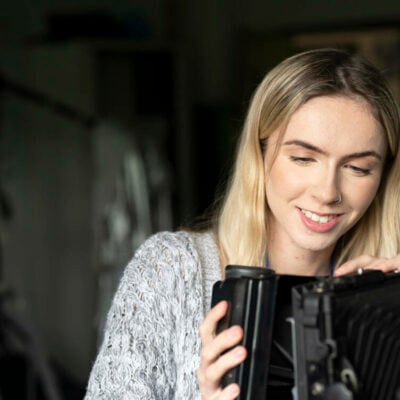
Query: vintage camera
point(314, 338)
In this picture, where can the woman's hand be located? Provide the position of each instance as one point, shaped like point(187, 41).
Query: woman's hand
point(214, 361)
point(365, 262)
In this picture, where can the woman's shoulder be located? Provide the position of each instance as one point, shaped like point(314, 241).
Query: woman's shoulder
point(166, 243)
point(173, 252)
point(179, 243)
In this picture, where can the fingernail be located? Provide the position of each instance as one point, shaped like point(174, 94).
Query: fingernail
point(234, 332)
point(234, 390)
point(239, 352)
point(221, 304)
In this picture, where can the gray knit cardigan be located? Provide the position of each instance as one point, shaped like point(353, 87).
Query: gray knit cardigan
point(151, 347)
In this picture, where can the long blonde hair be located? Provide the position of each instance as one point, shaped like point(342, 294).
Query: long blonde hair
point(241, 223)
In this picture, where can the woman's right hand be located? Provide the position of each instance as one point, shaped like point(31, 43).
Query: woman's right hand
point(215, 362)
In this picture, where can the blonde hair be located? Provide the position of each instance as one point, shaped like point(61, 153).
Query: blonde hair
point(241, 223)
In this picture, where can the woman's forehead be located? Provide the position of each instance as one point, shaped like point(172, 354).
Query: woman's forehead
point(333, 120)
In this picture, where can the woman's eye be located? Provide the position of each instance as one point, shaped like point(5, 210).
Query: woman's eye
point(301, 160)
point(360, 171)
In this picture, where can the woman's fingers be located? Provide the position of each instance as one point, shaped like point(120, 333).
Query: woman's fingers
point(216, 360)
point(366, 262)
point(226, 362)
point(210, 374)
point(209, 325)
point(230, 392)
point(219, 354)
point(385, 264)
point(352, 266)
point(225, 340)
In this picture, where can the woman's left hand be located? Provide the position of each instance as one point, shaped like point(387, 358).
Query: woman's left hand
point(369, 262)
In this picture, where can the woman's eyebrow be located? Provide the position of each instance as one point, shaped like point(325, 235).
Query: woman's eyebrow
point(306, 145)
point(361, 154)
point(309, 146)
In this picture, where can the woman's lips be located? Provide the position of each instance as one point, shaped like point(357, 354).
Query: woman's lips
point(320, 223)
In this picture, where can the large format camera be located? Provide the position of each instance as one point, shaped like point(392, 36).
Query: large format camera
point(314, 338)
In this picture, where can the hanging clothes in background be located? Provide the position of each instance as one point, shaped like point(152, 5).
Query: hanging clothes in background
point(132, 200)
point(121, 198)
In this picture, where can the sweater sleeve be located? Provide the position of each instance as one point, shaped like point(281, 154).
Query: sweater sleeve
point(136, 359)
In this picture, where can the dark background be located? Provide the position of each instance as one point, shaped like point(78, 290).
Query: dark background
point(176, 76)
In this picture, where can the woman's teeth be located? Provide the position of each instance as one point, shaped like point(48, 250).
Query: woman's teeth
point(317, 218)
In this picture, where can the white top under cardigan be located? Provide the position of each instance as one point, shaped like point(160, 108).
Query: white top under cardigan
point(151, 347)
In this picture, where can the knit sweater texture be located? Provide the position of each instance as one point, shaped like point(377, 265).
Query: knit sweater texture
point(151, 346)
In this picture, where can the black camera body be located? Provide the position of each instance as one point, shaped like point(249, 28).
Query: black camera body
point(260, 302)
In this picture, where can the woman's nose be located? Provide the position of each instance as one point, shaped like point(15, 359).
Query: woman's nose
point(327, 188)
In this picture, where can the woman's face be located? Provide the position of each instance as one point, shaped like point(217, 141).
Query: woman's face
point(333, 148)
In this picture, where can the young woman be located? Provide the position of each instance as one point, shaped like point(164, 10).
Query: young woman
point(314, 192)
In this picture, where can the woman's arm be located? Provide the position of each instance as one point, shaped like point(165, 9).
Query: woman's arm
point(136, 359)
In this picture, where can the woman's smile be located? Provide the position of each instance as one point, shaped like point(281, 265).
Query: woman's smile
point(319, 222)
